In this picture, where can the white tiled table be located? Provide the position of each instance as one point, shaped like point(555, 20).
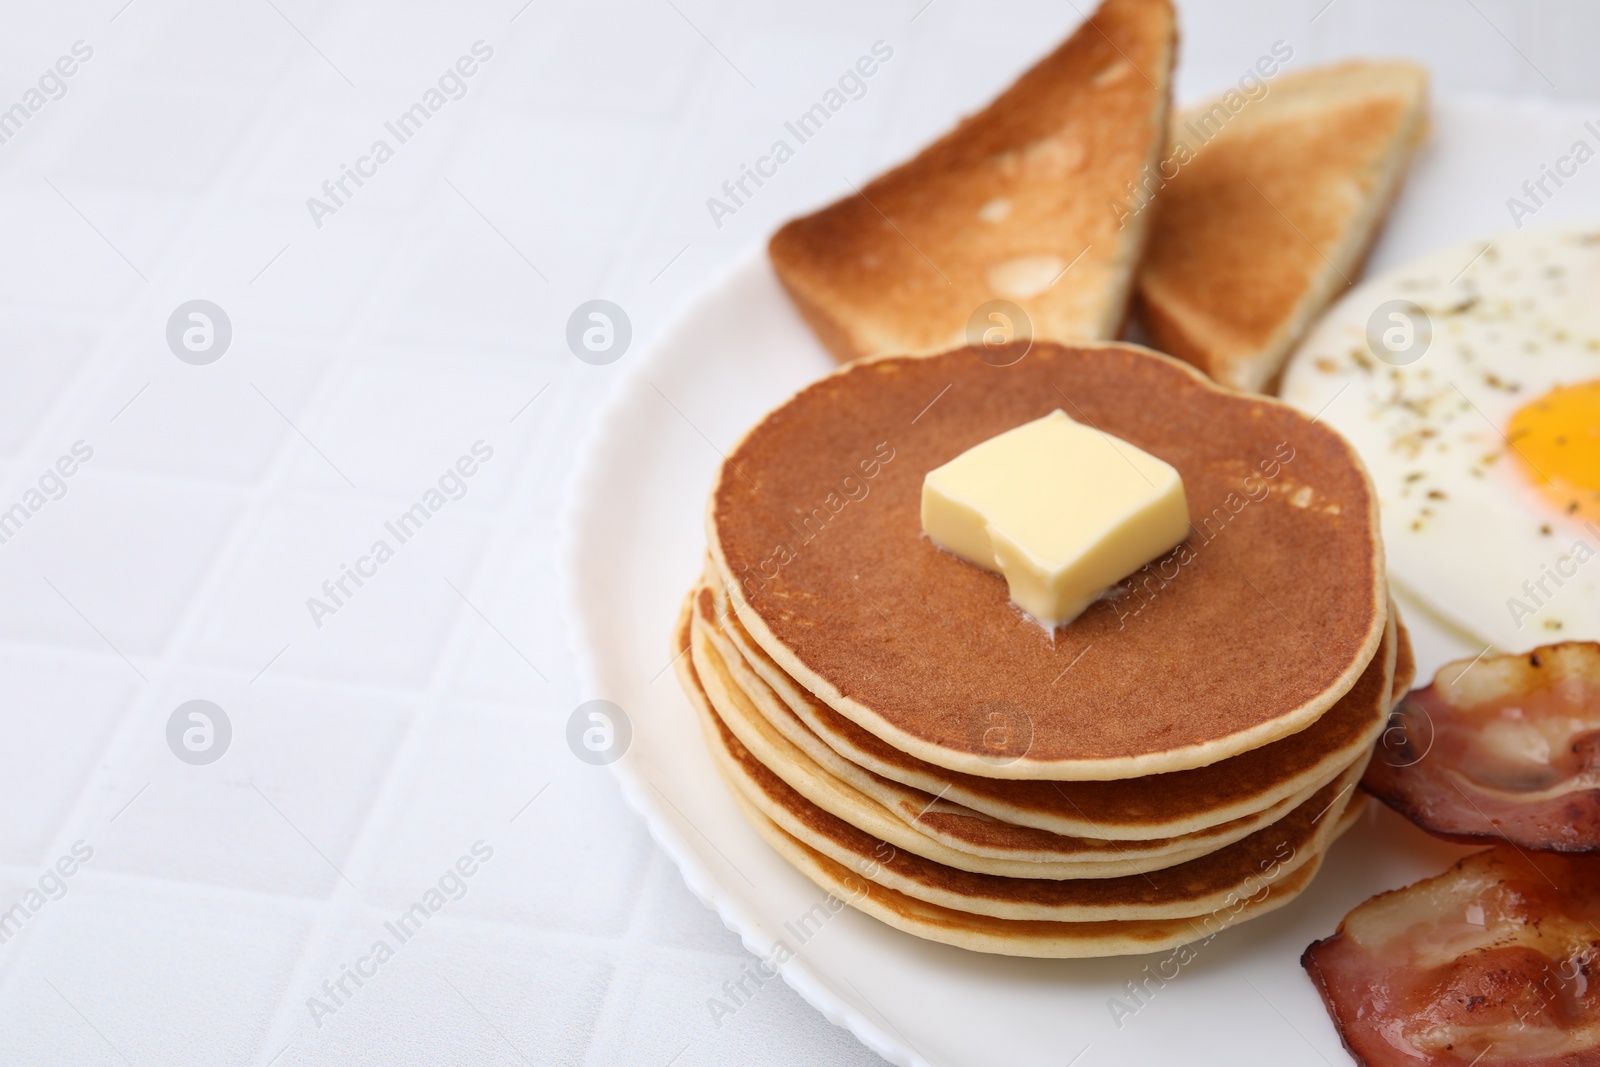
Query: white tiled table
point(425, 714)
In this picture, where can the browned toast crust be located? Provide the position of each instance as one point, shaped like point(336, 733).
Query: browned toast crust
point(1016, 203)
point(1274, 216)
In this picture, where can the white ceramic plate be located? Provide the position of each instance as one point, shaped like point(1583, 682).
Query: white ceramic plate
point(635, 541)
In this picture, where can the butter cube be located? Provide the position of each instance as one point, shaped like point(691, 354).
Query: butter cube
point(1061, 509)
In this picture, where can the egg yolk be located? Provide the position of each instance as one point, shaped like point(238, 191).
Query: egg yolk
point(1556, 438)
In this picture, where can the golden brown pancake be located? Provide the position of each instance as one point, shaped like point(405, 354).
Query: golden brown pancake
point(1165, 805)
point(920, 822)
point(1248, 632)
point(1042, 939)
point(1193, 888)
point(954, 836)
point(1013, 937)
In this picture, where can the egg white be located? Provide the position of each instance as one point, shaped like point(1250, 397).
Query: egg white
point(1466, 531)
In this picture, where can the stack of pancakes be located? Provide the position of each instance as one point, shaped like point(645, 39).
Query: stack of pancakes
point(1173, 761)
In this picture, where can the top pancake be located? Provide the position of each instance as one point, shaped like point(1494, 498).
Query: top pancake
point(1245, 633)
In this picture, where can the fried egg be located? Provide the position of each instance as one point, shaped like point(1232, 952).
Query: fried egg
point(1469, 382)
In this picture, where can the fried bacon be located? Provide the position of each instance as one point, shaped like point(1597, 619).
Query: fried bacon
point(1495, 963)
point(1503, 748)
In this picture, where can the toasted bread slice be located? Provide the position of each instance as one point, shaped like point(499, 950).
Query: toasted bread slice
point(1013, 204)
point(1273, 207)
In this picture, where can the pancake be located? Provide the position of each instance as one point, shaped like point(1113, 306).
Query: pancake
point(1160, 806)
point(967, 842)
point(1248, 632)
point(1194, 888)
point(928, 825)
point(1027, 938)
point(1010, 937)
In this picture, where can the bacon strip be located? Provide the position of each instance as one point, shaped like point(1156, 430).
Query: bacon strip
point(1495, 963)
point(1502, 749)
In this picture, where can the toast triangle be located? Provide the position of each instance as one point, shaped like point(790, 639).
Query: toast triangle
point(1016, 203)
point(1273, 211)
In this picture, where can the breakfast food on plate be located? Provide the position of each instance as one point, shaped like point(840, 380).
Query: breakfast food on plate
point(1495, 963)
point(927, 824)
point(1198, 810)
point(1044, 939)
point(1266, 208)
point(863, 871)
point(1191, 888)
point(923, 649)
point(1504, 747)
point(1174, 757)
point(1469, 381)
point(1006, 206)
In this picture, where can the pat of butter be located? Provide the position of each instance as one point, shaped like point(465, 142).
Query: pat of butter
point(1061, 509)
